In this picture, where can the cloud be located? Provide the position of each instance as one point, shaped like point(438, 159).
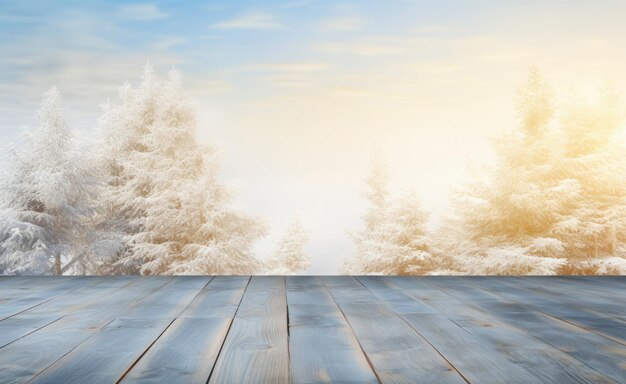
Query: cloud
point(377, 45)
point(168, 42)
point(430, 29)
point(361, 48)
point(351, 92)
point(296, 4)
point(281, 101)
point(432, 68)
point(594, 42)
point(291, 74)
point(512, 56)
point(342, 23)
point(250, 20)
point(493, 49)
point(76, 51)
point(203, 86)
point(142, 12)
point(301, 74)
point(303, 66)
point(292, 79)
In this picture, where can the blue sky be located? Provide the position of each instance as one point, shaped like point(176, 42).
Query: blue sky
point(297, 93)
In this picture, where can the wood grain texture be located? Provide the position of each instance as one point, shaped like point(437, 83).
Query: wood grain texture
point(100, 358)
point(28, 356)
point(256, 348)
point(575, 312)
point(474, 360)
point(396, 352)
point(220, 298)
point(598, 352)
point(188, 349)
point(237, 329)
point(15, 302)
point(185, 353)
point(16, 327)
point(322, 346)
point(517, 347)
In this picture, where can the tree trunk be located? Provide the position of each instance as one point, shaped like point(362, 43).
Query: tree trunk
point(57, 265)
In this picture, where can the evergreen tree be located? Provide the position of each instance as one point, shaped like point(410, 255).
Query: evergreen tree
point(593, 230)
point(46, 198)
point(554, 202)
point(162, 192)
point(289, 257)
point(368, 241)
point(393, 239)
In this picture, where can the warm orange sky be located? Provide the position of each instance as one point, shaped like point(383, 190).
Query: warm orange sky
point(297, 94)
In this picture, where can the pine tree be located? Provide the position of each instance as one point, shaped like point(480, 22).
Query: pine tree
point(289, 257)
point(367, 241)
point(393, 239)
point(535, 104)
point(162, 192)
point(554, 201)
point(410, 251)
point(594, 228)
point(46, 198)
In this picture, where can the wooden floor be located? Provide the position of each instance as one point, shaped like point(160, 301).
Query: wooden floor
point(313, 329)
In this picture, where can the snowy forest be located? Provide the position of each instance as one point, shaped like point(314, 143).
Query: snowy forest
point(145, 198)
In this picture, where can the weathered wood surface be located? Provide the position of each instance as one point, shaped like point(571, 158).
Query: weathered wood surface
point(237, 329)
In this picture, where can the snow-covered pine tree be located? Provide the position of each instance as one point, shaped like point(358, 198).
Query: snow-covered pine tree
point(162, 193)
point(368, 240)
point(46, 198)
point(393, 239)
point(554, 201)
point(410, 251)
point(593, 230)
point(503, 209)
point(289, 257)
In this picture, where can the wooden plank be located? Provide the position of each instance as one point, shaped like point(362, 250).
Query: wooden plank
point(591, 320)
point(220, 298)
point(492, 341)
point(396, 352)
point(11, 284)
point(614, 283)
point(590, 349)
point(188, 349)
point(478, 363)
point(16, 327)
point(99, 359)
point(598, 352)
point(171, 300)
point(26, 357)
point(7, 281)
point(185, 353)
point(256, 348)
point(85, 297)
point(337, 329)
point(28, 284)
point(34, 318)
point(595, 297)
point(322, 346)
point(19, 302)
